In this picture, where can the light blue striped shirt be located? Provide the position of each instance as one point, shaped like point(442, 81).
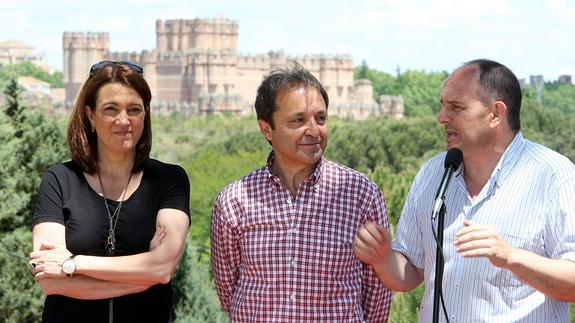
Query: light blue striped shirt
point(530, 198)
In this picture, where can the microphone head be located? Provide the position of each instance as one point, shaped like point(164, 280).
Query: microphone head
point(454, 158)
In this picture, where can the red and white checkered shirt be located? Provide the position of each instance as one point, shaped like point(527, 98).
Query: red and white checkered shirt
point(276, 258)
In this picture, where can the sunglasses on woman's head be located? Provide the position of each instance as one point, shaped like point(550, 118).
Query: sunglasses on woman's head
point(135, 67)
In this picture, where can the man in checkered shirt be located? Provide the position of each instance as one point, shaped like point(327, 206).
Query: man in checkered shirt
point(282, 235)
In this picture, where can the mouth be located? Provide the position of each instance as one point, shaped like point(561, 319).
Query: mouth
point(310, 147)
point(122, 133)
point(310, 144)
point(450, 135)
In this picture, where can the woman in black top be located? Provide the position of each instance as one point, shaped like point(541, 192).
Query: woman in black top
point(110, 225)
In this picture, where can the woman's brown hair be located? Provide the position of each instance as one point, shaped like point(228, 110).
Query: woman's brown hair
point(82, 141)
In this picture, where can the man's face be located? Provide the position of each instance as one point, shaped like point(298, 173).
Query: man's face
point(467, 121)
point(300, 135)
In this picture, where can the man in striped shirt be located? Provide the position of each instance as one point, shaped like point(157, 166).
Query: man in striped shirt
point(510, 223)
point(282, 236)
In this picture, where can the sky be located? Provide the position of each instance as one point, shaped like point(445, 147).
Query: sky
point(531, 37)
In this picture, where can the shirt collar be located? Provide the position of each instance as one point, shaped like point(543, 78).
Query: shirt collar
point(508, 160)
point(313, 179)
point(505, 164)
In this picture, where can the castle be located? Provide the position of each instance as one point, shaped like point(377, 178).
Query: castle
point(195, 69)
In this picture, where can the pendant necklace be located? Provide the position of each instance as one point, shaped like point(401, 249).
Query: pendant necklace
point(112, 218)
point(111, 241)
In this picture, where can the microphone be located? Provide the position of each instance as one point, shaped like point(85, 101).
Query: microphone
point(452, 161)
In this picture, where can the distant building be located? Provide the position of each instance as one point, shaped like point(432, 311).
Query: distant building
point(39, 95)
point(14, 51)
point(564, 79)
point(34, 85)
point(538, 82)
point(196, 69)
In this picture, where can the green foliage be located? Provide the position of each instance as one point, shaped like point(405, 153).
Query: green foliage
point(549, 126)
point(405, 306)
point(20, 296)
point(383, 83)
point(559, 96)
point(397, 144)
point(28, 68)
point(395, 187)
point(30, 144)
point(421, 92)
point(176, 138)
point(362, 71)
point(420, 89)
point(13, 110)
point(211, 170)
point(195, 298)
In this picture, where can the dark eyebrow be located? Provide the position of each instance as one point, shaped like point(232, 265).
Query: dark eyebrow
point(116, 103)
point(452, 102)
point(296, 115)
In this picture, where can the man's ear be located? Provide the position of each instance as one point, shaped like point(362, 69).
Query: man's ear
point(265, 129)
point(498, 113)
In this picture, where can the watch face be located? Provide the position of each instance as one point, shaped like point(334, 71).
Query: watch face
point(69, 266)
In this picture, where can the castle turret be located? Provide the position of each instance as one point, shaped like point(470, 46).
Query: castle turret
point(80, 52)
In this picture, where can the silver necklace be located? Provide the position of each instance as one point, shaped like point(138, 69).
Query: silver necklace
point(111, 242)
point(113, 218)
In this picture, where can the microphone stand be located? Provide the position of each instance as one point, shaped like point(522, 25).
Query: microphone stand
point(438, 264)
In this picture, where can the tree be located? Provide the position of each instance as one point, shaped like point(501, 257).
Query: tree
point(363, 71)
point(195, 299)
point(13, 109)
point(30, 144)
point(20, 296)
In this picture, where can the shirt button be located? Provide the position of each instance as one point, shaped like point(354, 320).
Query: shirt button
point(288, 200)
point(292, 263)
point(453, 317)
point(292, 297)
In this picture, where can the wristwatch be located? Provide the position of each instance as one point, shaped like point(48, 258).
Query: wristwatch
point(69, 266)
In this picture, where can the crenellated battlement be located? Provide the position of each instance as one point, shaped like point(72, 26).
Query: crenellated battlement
point(260, 61)
point(198, 25)
point(317, 62)
point(86, 40)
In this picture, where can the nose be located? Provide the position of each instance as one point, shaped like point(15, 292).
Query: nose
point(312, 128)
point(122, 117)
point(442, 116)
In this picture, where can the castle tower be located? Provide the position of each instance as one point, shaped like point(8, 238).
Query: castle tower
point(197, 61)
point(80, 52)
point(197, 34)
point(392, 106)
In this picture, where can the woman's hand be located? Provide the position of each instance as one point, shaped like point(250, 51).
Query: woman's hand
point(47, 262)
point(159, 235)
